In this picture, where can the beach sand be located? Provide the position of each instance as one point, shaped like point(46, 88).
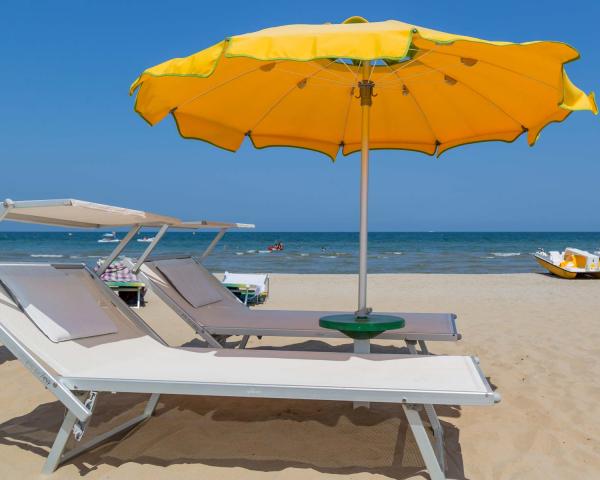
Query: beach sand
point(538, 339)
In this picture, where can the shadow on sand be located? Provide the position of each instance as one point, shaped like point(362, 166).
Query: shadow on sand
point(266, 435)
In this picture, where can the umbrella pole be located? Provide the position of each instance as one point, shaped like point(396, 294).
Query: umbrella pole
point(366, 95)
point(363, 345)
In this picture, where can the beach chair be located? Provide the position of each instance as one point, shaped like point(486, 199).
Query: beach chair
point(250, 288)
point(78, 339)
point(192, 292)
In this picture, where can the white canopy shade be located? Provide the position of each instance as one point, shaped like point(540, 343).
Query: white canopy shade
point(79, 213)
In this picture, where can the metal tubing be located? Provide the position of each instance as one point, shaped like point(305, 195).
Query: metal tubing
point(364, 191)
point(151, 405)
point(412, 346)
point(58, 455)
point(58, 447)
point(152, 246)
point(5, 209)
point(438, 434)
point(118, 249)
point(213, 244)
point(52, 383)
point(427, 452)
point(362, 346)
point(244, 342)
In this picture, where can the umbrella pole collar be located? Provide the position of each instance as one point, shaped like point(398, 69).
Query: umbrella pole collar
point(365, 88)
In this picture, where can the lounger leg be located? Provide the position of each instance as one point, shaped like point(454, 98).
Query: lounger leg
point(412, 346)
point(57, 453)
point(425, 447)
point(362, 346)
point(212, 341)
point(438, 434)
point(58, 447)
point(244, 341)
point(151, 405)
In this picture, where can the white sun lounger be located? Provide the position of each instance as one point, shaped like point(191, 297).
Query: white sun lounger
point(251, 288)
point(223, 314)
point(78, 339)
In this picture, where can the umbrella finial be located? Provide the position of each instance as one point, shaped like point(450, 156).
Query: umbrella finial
point(355, 19)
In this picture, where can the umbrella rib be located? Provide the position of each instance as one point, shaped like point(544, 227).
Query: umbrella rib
point(403, 65)
point(489, 100)
point(421, 111)
point(284, 96)
point(500, 67)
point(215, 87)
point(298, 74)
point(347, 116)
point(354, 74)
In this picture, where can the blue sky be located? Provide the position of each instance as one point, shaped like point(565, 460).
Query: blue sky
point(68, 129)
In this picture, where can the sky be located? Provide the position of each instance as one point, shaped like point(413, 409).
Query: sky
point(68, 130)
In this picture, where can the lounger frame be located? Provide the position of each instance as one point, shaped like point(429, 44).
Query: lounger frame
point(78, 395)
point(208, 334)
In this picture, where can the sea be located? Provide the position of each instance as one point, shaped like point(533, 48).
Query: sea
point(317, 252)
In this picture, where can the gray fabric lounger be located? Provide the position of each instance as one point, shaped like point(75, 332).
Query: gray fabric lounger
point(129, 357)
point(228, 316)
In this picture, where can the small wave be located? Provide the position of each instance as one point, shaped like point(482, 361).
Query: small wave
point(393, 253)
point(94, 256)
point(250, 251)
point(506, 254)
point(327, 256)
point(304, 254)
point(239, 253)
point(43, 255)
point(264, 251)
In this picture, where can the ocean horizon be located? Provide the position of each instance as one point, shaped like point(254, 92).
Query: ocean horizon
point(315, 252)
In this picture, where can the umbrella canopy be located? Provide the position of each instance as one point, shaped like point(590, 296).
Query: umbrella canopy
point(297, 86)
point(360, 86)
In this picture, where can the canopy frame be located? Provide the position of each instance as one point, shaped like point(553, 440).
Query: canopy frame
point(162, 222)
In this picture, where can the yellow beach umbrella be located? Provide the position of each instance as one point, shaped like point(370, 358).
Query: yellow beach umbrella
point(359, 86)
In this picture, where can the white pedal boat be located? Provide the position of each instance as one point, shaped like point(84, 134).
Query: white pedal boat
point(571, 263)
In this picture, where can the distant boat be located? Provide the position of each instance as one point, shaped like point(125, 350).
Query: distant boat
point(570, 264)
point(109, 238)
point(145, 239)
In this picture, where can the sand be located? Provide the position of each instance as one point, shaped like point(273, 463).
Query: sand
point(538, 339)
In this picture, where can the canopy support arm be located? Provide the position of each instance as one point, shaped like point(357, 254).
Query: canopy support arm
point(118, 249)
point(213, 244)
point(8, 204)
point(151, 247)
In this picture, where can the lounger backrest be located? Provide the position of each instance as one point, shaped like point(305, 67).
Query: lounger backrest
point(154, 269)
point(55, 300)
point(188, 279)
point(34, 318)
point(228, 311)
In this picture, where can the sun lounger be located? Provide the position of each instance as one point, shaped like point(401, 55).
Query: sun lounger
point(250, 288)
point(217, 312)
point(78, 339)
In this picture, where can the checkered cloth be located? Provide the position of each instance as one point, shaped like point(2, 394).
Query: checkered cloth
point(116, 272)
